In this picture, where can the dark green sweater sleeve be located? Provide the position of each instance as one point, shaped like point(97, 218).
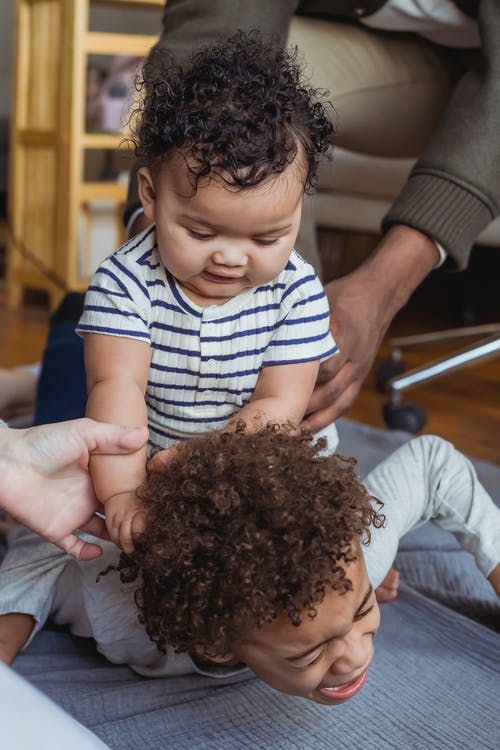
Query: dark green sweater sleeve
point(189, 24)
point(453, 191)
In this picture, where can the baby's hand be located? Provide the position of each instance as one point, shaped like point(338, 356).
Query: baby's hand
point(160, 461)
point(125, 519)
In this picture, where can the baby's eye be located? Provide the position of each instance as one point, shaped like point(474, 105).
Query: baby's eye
point(262, 241)
point(200, 235)
point(316, 658)
point(360, 615)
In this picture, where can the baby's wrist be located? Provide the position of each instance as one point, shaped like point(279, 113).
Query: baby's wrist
point(118, 494)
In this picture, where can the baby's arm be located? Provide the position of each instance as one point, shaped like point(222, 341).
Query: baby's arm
point(15, 630)
point(281, 395)
point(300, 341)
point(117, 373)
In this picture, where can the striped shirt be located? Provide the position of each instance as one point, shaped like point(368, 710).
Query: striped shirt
point(205, 361)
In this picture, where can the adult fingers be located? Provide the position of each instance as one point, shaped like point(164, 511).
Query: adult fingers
point(322, 417)
point(331, 367)
point(326, 394)
point(78, 548)
point(101, 437)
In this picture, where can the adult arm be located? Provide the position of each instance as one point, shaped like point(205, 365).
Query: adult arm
point(451, 195)
point(45, 483)
point(362, 305)
point(453, 191)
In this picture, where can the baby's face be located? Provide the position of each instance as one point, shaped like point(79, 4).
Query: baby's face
point(219, 241)
point(325, 659)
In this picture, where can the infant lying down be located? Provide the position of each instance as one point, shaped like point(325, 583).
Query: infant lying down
point(260, 551)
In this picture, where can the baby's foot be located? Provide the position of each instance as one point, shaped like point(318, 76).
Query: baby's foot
point(389, 588)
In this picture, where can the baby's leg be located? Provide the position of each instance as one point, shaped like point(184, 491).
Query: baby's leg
point(28, 577)
point(15, 627)
point(15, 630)
point(428, 479)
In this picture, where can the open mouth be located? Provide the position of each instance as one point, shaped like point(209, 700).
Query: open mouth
point(344, 692)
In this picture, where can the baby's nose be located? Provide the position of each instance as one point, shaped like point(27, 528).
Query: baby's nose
point(230, 256)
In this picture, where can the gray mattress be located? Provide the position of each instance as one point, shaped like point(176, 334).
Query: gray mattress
point(434, 682)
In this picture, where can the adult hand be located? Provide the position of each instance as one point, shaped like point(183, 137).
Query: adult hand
point(44, 479)
point(362, 304)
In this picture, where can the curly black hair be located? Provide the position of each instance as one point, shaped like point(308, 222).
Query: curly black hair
point(242, 527)
point(238, 109)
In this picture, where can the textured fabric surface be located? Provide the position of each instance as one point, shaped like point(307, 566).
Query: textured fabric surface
point(432, 685)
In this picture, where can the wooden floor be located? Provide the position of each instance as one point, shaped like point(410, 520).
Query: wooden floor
point(463, 406)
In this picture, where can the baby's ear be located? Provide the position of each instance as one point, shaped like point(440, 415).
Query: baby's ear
point(147, 192)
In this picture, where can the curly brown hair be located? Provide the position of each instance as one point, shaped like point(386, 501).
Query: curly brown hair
point(241, 527)
point(238, 108)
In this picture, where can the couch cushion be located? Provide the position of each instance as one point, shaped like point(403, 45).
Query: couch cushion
point(360, 174)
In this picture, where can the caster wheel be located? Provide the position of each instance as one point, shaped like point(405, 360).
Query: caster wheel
point(407, 417)
point(386, 371)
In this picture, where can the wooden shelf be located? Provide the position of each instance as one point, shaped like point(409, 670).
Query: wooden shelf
point(37, 137)
point(131, 3)
point(113, 141)
point(103, 43)
point(103, 191)
point(52, 245)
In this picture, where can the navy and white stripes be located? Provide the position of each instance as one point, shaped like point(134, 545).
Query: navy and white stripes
point(205, 360)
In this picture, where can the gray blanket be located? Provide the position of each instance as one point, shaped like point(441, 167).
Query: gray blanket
point(434, 682)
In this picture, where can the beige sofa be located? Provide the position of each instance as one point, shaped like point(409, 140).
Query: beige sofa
point(356, 190)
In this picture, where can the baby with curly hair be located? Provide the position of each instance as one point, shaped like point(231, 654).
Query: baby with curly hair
point(210, 315)
point(260, 550)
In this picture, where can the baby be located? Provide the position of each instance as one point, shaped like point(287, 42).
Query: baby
point(259, 551)
point(210, 315)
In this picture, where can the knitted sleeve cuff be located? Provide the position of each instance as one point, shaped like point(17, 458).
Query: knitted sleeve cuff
point(451, 213)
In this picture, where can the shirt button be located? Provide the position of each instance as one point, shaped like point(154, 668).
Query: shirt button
point(359, 11)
